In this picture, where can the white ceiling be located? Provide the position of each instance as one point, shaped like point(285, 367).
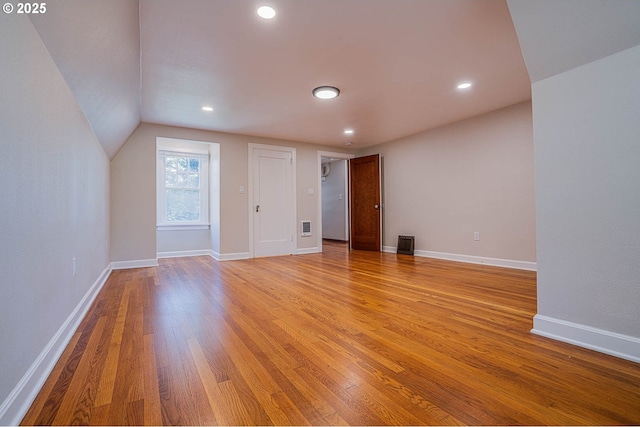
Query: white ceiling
point(397, 63)
point(556, 36)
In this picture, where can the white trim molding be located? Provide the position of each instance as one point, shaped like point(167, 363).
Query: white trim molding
point(197, 150)
point(304, 251)
point(614, 344)
point(233, 257)
point(139, 263)
point(182, 227)
point(471, 259)
point(181, 254)
point(16, 405)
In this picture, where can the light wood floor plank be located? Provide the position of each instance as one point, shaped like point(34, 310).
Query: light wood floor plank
point(338, 338)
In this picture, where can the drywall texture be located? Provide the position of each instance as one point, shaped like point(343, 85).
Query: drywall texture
point(476, 175)
point(55, 201)
point(587, 160)
point(183, 240)
point(133, 194)
point(96, 47)
point(133, 199)
point(334, 202)
point(556, 36)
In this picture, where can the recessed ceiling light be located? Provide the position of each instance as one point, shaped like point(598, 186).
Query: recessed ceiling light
point(348, 131)
point(326, 92)
point(206, 108)
point(465, 85)
point(266, 12)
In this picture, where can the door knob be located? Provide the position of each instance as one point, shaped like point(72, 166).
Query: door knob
point(376, 206)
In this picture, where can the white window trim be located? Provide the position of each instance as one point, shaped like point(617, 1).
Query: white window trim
point(182, 226)
point(203, 224)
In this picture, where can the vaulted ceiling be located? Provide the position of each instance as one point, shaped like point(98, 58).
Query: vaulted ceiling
point(556, 36)
point(396, 62)
point(96, 47)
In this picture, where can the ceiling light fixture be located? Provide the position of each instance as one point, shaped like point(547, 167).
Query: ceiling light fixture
point(465, 85)
point(266, 12)
point(326, 92)
point(348, 131)
point(206, 108)
point(348, 143)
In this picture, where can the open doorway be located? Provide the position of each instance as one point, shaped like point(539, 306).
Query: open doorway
point(335, 200)
point(333, 209)
point(361, 201)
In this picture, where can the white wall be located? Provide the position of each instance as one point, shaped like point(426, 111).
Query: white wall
point(334, 202)
point(587, 155)
point(54, 207)
point(479, 170)
point(133, 204)
point(444, 184)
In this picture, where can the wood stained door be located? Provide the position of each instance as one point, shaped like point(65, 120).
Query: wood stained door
point(365, 203)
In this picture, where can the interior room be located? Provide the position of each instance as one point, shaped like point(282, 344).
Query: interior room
point(202, 204)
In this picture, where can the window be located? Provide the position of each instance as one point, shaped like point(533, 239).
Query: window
point(183, 191)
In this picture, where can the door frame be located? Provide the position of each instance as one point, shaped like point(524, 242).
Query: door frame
point(337, 156)
point(250, 202)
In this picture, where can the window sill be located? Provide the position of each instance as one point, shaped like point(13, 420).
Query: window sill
point(174, 227)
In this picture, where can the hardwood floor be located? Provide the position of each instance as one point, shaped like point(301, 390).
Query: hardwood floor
point(336, 338)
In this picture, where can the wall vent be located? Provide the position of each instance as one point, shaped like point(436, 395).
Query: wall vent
point(306, 228)
point(406, 245)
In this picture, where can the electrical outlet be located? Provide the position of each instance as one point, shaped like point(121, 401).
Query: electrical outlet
point(476, 235)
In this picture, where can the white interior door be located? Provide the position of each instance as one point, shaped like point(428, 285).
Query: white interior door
point(273, 207)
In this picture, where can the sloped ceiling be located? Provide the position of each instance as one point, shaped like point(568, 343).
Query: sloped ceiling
point(397, 64)
point(556, 36)
point(96, 46)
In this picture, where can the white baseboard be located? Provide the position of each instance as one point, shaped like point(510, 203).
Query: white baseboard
point(180, 254)
point(471, 259)
point(140, 263)
point(304, 251)
point(16, 405)
point(245, 255)
point(233, 257)
point(623, 346)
